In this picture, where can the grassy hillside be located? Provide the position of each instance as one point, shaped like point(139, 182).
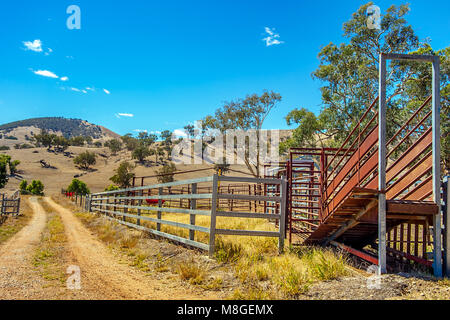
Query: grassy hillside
point(68, 127)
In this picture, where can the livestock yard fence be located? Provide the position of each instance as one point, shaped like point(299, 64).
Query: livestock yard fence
point(10, 205)
point(80, 199)
point(157, 209)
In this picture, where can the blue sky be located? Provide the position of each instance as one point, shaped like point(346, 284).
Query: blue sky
point(169, 63)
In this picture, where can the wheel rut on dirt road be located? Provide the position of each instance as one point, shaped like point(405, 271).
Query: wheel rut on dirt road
point(102, 272)
point(17, 278)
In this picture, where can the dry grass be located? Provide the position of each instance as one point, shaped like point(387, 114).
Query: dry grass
point(11, 225)
point(49, 258)
point(192, 272)
point(256, 261)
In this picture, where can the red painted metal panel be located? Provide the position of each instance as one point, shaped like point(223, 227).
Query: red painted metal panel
point(368, 143)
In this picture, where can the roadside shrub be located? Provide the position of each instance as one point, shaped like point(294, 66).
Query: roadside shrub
point(3, 148)
point(23, 185)
point(36, 187)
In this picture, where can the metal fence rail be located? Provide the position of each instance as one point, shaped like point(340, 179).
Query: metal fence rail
point(132, 206)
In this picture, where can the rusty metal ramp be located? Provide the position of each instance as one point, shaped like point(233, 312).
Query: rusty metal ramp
point(355, 219)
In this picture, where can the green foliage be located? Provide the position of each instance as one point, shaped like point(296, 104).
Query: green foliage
point(23, 185)
point(85, 160)
point(157, 152)
point(77, 141)
point(3, 174)
point(349, 76)
point(114, 145)
point(97, 144)
point(308, 130)
point(112, 187)
point(13, 166)
point(245, 114)
point(36, 187)
point(8, 162)
point(44, 138)
point(22, 146)
point(190, 130)
point(60, 143)
point(166, 173)
point(147, 139)
point(140, 153)
point(78, 187)
point(123, 175)
point(3, 148)
point(130, 142)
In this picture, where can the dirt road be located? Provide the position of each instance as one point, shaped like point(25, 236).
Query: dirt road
point(17, 278)
point(103, 276)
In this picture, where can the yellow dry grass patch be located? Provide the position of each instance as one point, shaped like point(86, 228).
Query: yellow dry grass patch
point(256, 259)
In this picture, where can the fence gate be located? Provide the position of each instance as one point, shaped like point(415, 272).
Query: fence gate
point(10, 205)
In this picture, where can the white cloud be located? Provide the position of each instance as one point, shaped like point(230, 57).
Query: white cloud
point(75, 89)
point(90, 89)
point(64, 78)
point(140, 130)
point(179, 133)
point(128, 115)
point(272, 37)
point(84, 91)
point(46, 73)
point(35, 46)
point(106, 91)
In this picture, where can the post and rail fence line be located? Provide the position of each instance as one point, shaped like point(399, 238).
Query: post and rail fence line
point(77, 198)
point(132, 206)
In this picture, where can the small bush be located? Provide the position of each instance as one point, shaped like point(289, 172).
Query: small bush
point(36, 187)
point(3, 148)
point(23, 185)
point(112, 187)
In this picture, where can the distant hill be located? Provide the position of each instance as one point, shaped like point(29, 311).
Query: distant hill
point(67, 127)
